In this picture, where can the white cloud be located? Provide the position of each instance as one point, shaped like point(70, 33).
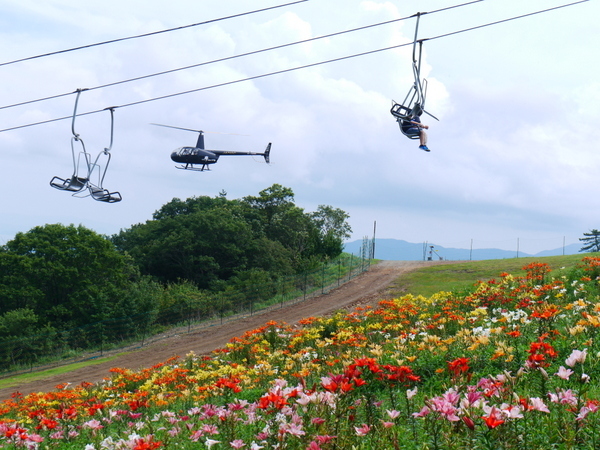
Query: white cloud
point(514, 154)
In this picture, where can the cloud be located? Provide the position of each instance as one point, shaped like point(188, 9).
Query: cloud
point(514, 152)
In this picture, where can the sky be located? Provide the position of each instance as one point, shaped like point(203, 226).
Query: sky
point(514, 156)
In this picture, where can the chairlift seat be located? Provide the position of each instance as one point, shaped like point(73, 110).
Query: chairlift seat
point(104, 195)
point(73, 184)
point(405, 126)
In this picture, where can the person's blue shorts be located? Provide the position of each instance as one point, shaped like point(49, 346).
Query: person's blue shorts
point(413, 131)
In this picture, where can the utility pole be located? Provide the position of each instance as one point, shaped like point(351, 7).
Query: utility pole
point(373, 244)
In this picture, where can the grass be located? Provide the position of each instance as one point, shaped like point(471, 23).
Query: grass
point(34, 376)
point(462, 276)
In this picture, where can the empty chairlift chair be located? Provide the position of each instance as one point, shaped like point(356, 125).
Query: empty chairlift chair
point(81, 162)
point(97, 191)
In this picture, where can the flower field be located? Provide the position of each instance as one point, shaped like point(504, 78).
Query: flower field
point(513, 364)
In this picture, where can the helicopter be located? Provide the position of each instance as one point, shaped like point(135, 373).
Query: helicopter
point(198, 155)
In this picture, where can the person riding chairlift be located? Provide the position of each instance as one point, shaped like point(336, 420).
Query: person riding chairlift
point(414, 127)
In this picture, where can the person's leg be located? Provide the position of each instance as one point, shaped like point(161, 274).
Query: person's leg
point(423, 137)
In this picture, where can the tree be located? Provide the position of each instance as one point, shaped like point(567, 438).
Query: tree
point(16, 291)
point(20, 336)
point(199, 240)
point(334, 228)
point(591, 241)
point(309, 237)
point(207, 241)
point(271, 201)
point(74, 275)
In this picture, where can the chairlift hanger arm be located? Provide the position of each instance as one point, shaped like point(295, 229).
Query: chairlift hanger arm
point(78, 91)
point(112, 126)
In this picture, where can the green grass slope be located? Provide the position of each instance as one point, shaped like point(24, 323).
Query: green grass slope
point(461, 276)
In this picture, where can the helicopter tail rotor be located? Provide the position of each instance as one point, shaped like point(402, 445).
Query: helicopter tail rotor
point(267, 153)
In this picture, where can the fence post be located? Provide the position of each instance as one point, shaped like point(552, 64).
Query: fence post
point(305, 282)
point(222, 308)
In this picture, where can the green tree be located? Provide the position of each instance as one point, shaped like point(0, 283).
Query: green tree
point(21, 337)
point(16, 291)
point(197, 240)
point(334, 228)
point(591, 241)
point(73, 274)
point(209, 240)
point(274, 215)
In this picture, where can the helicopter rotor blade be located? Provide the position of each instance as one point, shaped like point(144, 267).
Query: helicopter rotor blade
point(177, 128)
point(197, 131)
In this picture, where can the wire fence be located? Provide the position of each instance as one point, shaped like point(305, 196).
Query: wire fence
point(111, 336)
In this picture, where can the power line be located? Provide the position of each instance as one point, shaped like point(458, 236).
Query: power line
point(214, 86)
point(277, 47)
point(356, 55)
point(148, 34)
point(506, 20)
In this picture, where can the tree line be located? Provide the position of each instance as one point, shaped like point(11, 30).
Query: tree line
point(57, 277)
point(591, 241)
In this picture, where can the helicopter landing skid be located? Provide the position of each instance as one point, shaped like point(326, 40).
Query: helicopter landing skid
point(196, 169)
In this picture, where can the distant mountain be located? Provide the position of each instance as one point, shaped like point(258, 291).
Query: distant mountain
point(398, 250)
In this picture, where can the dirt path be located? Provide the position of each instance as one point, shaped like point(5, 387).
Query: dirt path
point(367, 288)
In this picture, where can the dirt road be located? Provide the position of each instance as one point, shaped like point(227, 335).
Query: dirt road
point(367, 288)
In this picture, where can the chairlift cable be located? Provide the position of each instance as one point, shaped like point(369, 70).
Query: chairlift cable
point(342, 58)
point(505, 20)
point(277, 47)
point(112, 41)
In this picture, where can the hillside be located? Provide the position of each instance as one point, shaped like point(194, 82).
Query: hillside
point(367, 288)
point(511, 364)
point(399, 250)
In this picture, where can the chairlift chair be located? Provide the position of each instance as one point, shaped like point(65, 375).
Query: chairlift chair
point(97, 191)
point(414, 102)
point(77, 181)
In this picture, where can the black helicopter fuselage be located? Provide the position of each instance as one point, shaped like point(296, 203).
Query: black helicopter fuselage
point(194, 155)
point(188, 156)
point(198, 155)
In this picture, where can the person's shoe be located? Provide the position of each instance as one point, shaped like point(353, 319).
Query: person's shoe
point(424, 147)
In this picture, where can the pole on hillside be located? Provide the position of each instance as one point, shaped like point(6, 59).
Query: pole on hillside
point(372, 255)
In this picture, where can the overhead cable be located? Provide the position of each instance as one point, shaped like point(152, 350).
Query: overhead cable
point(277, 47)
point(356, 55)
point(112, 41)
point(505, 20)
